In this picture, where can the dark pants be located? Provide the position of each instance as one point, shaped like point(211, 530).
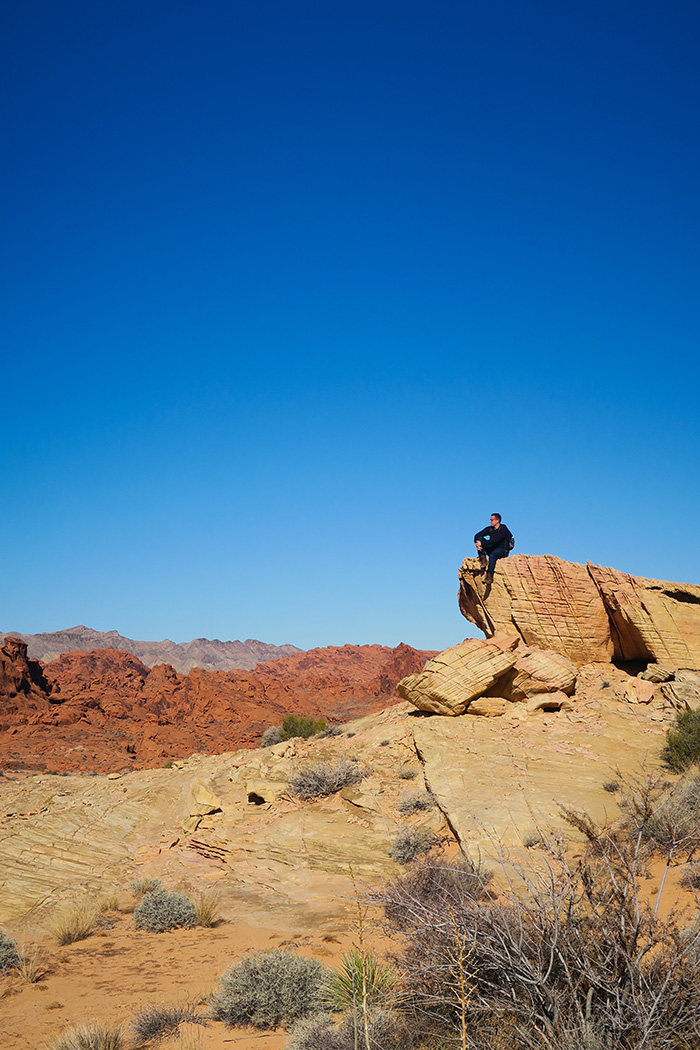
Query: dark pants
point(500, 552)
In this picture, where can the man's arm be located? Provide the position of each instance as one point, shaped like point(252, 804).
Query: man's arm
point(482, 535)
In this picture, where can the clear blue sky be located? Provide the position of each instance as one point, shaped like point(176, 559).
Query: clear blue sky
point(294, 294)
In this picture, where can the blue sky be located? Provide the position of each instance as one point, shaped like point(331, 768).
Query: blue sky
point(295, 294)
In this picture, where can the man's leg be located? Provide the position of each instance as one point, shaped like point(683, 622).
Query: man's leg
point(500, 552)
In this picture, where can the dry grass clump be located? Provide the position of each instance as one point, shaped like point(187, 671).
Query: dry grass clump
point(140, 887)
point(207, 908)
point(269, 990)
point(415, 802)
point(92, 1036)
point(155, 1022)
point(325, 779)
point(109, 901)
point(74, 923)
point(408, 773)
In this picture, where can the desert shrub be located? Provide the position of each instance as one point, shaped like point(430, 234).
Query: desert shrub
point(682, 747)
point(94, 1036)
point(673, 816)
point(406, 773)
point(531, 839)
point(9, 954)
point(325, 779)
point(611, 786)
point(568, 953)
point(332, 731)
point(300, 725)
point(386, 1029)
point(344, 987)
point(691, 876)
point(270, 737)
point(154, 1022)
point(411, 843)
point(269, 990)
point(74, 923)
point(415, 802)
point(109, 902)
point(140, 887)
point(160, 910)
point(207, 908)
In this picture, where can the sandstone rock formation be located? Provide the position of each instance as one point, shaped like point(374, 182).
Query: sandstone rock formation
point(585, 612)
point(106, 710)
point(209, 654)
point(563, 620)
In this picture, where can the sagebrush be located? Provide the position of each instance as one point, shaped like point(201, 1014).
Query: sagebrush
point(156, 1021)
point(269, 990)
point(413, 803)
point(324, 778)
point(411, 843)
point(9, 953)
point(161, 910)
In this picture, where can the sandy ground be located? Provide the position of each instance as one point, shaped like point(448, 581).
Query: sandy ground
point(115, 972)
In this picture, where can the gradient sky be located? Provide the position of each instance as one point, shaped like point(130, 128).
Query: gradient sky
point(294, 295)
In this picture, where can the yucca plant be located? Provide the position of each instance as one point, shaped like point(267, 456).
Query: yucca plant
point(345, 984)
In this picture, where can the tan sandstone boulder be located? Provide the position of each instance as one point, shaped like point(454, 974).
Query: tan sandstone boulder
point(537, 671)
point(457, 676)
point(552, 604)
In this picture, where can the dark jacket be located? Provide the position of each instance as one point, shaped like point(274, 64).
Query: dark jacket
point(492, 539)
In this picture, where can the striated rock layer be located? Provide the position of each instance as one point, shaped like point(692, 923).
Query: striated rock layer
point(107, 710)
point(550, 624)
point(585, 612)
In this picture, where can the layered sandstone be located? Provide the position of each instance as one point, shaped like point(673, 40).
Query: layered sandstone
point(585, 612)
point(563, 620)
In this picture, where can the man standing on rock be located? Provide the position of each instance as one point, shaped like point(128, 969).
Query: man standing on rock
point(492, 543)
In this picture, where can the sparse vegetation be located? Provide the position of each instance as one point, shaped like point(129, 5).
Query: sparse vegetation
point(611, 786)
point(269, 990)
point(10, 957)
point(332, 731)
point(207, 908)
point(154, 1022)
point(74, 923)
point(408, 773)
point(109, 902)
point(160, 910)
point(345, 983)
point(667, 816)
point(532, 839)
point(270, 737)
point(414, 803)
point(568, 953)
point(301, 725)
point(385, 1030)
point(93, 1036)
point(682, 748)
point(140, 887)
point(411, 843)
point(691, 876)
point(325, 779)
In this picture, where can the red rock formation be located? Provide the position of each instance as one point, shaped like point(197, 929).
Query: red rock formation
point(107, 710)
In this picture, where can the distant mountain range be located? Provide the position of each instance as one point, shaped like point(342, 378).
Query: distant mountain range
point(210, 654)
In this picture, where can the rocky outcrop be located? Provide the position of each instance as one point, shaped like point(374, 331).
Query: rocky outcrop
point(585, 612)
point(107, 710)
point(562, 620)
point(210, 654)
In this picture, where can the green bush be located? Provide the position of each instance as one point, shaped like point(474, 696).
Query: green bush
point(160, 911)
point(683, 741)
point(300, 725)
point(325, 779)
point(269, 990)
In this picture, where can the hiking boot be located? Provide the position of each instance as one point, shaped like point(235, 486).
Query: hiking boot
point(488, 579)
point(483, 561)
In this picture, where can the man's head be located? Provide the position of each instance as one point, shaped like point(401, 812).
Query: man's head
point(495, 520)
